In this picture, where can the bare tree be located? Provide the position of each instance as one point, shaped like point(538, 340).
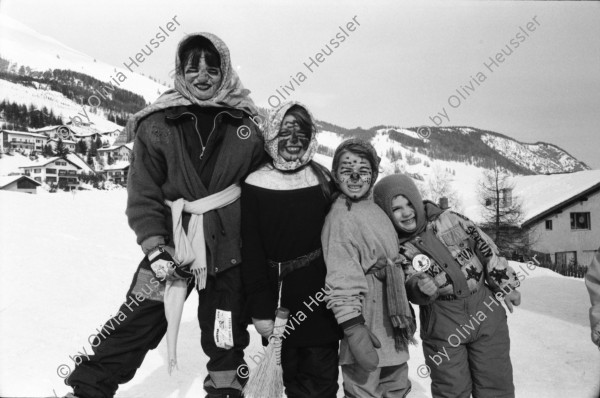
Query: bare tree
point(502, 212)
point(439, 185)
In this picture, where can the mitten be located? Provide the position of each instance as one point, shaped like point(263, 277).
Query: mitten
point(362, 344)
point(264, 326)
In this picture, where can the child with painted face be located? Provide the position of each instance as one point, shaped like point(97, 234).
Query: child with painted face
point(284, 204)
point(453, 271)
point(366, 286)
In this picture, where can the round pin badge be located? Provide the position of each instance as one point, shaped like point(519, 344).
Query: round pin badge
point(421, 263)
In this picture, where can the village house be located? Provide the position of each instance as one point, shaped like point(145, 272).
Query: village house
point(21, 141)
point(70, 145)
point(117, 173)
point(118, 153)
point(562, 214)
point(19, 183)
point(58, 171)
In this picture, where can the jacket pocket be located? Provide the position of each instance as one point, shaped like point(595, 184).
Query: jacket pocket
point(454, 236)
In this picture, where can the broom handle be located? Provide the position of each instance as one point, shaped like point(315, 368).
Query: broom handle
point(281, 318)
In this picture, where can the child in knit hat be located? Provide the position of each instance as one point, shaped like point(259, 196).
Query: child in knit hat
point(366, 287)
point(453, 271)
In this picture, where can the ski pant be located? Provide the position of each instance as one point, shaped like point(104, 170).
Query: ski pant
point(466, 346)
point(385, 382)
point(121, 345)
point(310, 371)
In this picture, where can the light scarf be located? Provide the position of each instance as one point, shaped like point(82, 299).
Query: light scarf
point(271, 131)
point(190, 249)
point(231, 94)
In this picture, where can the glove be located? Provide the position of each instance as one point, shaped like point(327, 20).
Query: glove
point(362, 345)
point(427, 284)
point(264, 326)
point(164, 266)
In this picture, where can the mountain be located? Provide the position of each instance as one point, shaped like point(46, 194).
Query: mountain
point(40, 71)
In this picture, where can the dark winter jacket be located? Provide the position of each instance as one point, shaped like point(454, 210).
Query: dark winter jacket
point(162, 169)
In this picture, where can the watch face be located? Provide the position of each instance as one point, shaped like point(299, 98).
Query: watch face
point(421, 263)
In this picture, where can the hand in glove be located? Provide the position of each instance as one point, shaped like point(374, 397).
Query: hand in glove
point(164, 266)
point(264, 326)
point(362, 344)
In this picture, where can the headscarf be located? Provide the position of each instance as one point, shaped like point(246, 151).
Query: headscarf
point(400, 184)
point(271, 129)
point(231, 93)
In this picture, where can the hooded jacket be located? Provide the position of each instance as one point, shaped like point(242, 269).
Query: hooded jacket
point(462, 256)
point(164, 166)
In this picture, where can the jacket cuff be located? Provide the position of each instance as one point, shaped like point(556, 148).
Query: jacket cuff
point(262, 305)
point(352, 322)
point(152, 243)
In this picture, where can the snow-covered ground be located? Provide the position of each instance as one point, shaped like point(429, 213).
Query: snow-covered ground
point(67, 262)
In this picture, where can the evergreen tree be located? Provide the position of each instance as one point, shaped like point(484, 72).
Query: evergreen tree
point(110, 160)
point(61, 150)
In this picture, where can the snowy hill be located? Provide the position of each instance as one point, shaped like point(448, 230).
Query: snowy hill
point(80, 274)
point(22, 44)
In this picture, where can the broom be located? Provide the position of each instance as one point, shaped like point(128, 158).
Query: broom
point(266, 380)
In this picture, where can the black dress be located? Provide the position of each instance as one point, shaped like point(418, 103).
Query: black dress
point(282, 225)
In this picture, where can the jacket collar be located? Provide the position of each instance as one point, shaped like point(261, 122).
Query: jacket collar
point(176, 111)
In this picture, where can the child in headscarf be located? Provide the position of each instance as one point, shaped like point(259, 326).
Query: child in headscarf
point(284, 204)
point(193, 146)
point(367, 292)
point(451, 268)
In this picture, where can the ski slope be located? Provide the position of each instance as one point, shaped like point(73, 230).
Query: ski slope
point(67, 261)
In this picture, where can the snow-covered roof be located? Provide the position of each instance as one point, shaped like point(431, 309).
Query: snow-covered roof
point(117, 166)
point(7, 180)
point(83, 130)
point(46, 128)
point(541, 194)
point(24, 133)
point(115, 147)
point(71, 158)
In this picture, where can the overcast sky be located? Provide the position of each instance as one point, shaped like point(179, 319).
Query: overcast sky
point(401, 65)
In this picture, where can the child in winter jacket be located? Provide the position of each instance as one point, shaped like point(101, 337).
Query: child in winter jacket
point(366, 287)
point(453, 271)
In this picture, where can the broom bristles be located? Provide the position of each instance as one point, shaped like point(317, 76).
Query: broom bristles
point(266, 381)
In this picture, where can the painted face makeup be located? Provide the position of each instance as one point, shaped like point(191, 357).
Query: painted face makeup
point(404, 213)
point(354, 175)
point(203, 80)
point(293, 142)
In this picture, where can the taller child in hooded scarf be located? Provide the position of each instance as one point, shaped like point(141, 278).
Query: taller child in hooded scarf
point(194, 142)
point(367, 292)
point(452, 267)
point(284, 204)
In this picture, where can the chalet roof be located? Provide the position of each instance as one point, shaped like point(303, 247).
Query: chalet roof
point(543, 195)
point(7, 180)
point(71, 158)
point(117, 166)
point(24, 133)
point(115, 147)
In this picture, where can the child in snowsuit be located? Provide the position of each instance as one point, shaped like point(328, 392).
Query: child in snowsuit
point(367, 292)
point(284, 204)
point(454, 272)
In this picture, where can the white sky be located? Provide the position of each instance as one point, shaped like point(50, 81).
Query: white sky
point(399, 67)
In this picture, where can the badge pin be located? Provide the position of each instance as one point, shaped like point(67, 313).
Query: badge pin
point(421, 263)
